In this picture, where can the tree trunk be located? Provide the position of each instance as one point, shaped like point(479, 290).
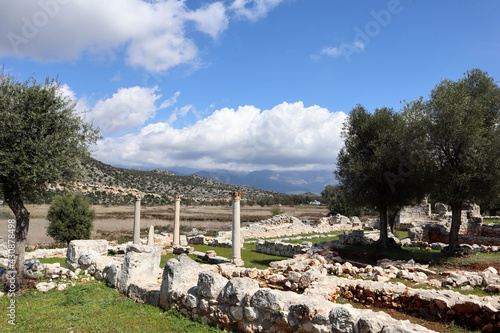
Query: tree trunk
point(22, 226)
point(382, 241)
point(456, 220)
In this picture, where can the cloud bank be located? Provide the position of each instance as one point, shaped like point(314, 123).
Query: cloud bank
point(152, 34)
point(288, 136)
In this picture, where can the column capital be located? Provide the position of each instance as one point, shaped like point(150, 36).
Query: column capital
point(236, 195)
point(138, 197)
point(178, 197)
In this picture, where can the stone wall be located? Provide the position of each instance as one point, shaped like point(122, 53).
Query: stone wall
point(235, 298)
point(407, 214)
point(285, 225)
point(439, 233)
point(241, 304)
point(279, 248)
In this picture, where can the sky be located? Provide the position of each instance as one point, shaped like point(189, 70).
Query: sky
point(241, 85)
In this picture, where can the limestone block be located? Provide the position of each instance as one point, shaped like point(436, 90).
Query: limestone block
point(101, 263)
point(142, 263)
point(87, 259)
point(45, 286)
point(113, 275)
point(343, 318)
point(179, 275)
point(236, 291)
point(269, 300)
point(210, 284)
point(309, 277)
point(78, 247)
point(145, 292)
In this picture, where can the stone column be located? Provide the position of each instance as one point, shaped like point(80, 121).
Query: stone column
point(151, 235)
point(236, 240)
point(177, 236)
point(137, 220)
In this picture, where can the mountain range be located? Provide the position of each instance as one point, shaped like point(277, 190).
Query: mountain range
point(289, 182)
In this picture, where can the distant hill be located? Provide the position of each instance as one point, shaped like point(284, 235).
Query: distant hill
point(290, 182)
point(104, 182)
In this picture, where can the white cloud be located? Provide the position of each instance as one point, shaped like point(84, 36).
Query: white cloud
point(344, 49)
point(125, 110)
point(152, 32)
point(210, 19)
point(331, 51)
point(253, 9)
point(288, 136)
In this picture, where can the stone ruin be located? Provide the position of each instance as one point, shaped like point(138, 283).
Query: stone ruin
point(286, 225)
point(424, 226)
point(298, 294)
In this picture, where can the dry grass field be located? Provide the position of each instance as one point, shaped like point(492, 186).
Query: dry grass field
point(117, 221)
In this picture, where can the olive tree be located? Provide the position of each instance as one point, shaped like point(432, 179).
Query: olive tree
point(463, 120)
point(380, 164)
point(337, 201)
point(42, 141)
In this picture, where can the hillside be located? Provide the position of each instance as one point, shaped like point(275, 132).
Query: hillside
point(105, 184)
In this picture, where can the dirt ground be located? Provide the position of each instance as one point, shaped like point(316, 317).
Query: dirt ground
point(120, 219)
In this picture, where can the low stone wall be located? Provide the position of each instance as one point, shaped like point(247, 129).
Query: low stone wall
point(439, 233)
point(491, 230)
point(240, 304)
point(234, 298)
point(278, 248)
point(284, 225)
point(442, 305)
point(412, 213)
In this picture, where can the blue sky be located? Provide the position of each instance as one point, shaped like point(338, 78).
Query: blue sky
point(241, 84)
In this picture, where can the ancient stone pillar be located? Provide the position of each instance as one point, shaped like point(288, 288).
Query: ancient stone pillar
point(137, 220)
point(176, 240)
point(236, 240)
point(151, 235)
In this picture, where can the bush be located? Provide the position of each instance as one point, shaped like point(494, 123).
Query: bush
point(70, 217)
point(277, 211)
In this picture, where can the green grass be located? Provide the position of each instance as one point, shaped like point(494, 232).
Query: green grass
point(338, 232)
point(314, 240)
point(251, 258)
point(476, 258)
point(61, 261)
point(401, 234)
point(492, 221)
point(92, 307)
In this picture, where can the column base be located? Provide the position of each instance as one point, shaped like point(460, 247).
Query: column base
point(238, 261)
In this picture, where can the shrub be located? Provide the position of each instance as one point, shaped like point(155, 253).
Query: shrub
point(70, 217)
point(277, 211)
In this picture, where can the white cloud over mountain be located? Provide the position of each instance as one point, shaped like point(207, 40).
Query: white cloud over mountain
point(151, 33)
point(288, 136)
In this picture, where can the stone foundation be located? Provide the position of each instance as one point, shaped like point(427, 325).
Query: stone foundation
point(281, 249)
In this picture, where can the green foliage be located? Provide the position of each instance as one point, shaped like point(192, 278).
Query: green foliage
point(463, 119)
point(338, 202)
point(42, 138)
point(42, 141)
point(462, 123)
point(70, 217)
point(377, 166)
point(277, 211)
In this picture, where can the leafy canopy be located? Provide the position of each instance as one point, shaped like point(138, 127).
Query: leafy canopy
point(380, 164)
point(463, 120)
point(337, 201)
point(42, 139)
